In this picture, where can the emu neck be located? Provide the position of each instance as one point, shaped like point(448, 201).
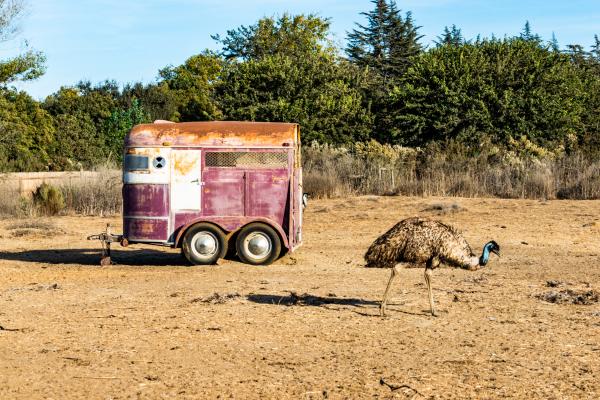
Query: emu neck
point(485, 256)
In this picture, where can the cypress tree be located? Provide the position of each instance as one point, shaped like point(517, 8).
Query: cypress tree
point(451, 36)
point(596, 48)
point(385, 47)
point(403, 41)
point(554, 46)
point(367, 44)
point(388, 41)
point(528, 35)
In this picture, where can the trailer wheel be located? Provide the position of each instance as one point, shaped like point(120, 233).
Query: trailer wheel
point(258, 244)
point(204, 244)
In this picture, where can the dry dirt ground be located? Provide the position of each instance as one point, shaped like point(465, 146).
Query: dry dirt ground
point(307, 327)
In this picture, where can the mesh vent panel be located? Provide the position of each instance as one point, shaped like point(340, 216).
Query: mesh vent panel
point(246, 159)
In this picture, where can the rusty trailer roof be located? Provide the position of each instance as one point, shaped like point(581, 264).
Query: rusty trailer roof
point(213, 133)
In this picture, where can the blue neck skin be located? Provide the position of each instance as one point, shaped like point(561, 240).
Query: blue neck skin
point(485, 256)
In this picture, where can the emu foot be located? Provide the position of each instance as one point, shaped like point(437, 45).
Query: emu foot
point(382, 311)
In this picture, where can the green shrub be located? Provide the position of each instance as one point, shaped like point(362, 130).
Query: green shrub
point(48, 199)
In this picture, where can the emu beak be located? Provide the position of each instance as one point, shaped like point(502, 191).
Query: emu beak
point(496, 252)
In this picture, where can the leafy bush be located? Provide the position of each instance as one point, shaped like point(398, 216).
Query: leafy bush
point(48, 199)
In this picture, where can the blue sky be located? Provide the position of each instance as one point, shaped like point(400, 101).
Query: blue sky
point(130, 40)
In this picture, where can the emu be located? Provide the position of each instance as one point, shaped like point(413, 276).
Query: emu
point(415, 241)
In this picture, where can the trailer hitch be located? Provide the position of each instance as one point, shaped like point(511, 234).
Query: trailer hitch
point(106, 238)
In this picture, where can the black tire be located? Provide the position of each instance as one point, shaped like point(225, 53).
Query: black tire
point(231, 247)
point(267, 244)
point(213, 247)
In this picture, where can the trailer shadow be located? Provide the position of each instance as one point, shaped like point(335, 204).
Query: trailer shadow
point(137, 257)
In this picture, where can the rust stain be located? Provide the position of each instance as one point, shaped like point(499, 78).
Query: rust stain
point(185, 163)
point(145, 227)
point(148, 151)
point(214, 133)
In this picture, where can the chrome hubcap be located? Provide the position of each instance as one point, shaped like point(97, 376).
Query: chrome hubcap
point(205, 244)
point(258, 245)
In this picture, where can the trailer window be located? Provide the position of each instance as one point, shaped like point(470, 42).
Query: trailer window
point(246, 159)
point(135, 163)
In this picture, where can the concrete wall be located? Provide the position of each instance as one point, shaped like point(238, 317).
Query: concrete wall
point(25, 183)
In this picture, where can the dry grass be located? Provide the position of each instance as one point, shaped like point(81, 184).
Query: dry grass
point(100, 196)
point(96, 196)
point(34, 228)
point(444, 208)
point(570, 296)
point(453, 171)
point(8, 203)
point(12, 204)
point(217, 298)
point(32, 224)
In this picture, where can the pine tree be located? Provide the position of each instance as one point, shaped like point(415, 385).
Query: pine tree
point(403, 41)
point(554, 46)
point(388, 41)
point(596, 48)
point(451, 36)
point(367, 44)
point(528, 35)
point(578, 54)
point(385, 48)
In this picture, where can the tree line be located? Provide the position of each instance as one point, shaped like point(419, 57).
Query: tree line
point(517, 92)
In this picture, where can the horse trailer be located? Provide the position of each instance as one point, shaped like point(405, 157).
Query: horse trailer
point(207, 187)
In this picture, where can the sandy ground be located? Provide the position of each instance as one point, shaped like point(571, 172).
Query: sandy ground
point(153, 327)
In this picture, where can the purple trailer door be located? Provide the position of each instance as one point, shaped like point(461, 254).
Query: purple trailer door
point(253, 193)
point(267, 194)
point(223, 192)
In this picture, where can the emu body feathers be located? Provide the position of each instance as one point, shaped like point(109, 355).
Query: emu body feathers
point(418, 241)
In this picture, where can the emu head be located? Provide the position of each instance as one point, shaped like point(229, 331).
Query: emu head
point(490, 247)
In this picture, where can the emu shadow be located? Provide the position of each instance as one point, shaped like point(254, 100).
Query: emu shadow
point(137, 257)
point(394, 311)
point(306, 299)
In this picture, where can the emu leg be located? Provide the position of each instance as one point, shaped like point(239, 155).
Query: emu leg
point(387, 290)
point(428, 273)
